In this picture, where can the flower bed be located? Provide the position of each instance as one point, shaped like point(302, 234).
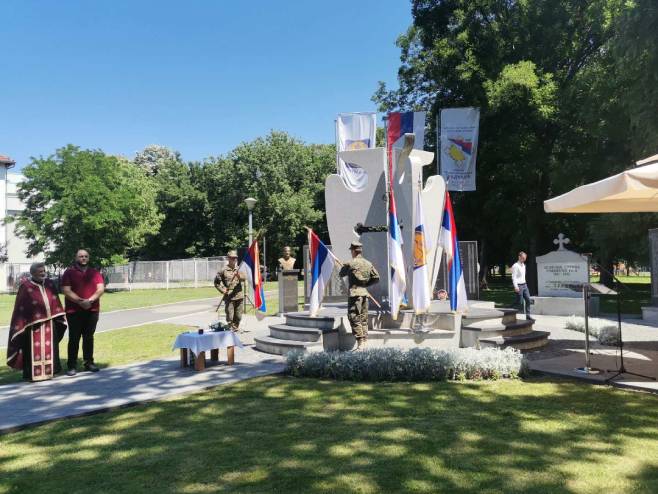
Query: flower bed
point(418, 364)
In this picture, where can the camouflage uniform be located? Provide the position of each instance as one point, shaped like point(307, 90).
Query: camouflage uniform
point(361, 274)
point(229, 283)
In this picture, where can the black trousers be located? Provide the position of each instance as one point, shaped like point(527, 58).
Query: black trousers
point(81, 323)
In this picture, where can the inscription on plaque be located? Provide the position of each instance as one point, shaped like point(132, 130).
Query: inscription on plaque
point(561, 273)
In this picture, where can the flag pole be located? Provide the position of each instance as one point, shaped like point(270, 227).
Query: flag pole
point(337, 146)
point(388, 206)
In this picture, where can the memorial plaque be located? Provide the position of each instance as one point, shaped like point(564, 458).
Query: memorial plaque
point(468, 254)
point(288, 291)
point(561, 273)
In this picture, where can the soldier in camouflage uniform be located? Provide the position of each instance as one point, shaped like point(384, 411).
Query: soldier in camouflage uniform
point(229, 283)
point(361, 274)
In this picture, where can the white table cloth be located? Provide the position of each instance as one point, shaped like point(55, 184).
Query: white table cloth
point(198, 343)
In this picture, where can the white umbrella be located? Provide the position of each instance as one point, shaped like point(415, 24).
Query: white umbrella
point(632, 191)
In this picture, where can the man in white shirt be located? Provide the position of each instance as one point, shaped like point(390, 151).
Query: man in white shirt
point(520, 285)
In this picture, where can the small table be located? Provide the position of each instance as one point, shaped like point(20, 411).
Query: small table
point(198, 344)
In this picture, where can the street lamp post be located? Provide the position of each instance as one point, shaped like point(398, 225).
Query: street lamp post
point(250, 202)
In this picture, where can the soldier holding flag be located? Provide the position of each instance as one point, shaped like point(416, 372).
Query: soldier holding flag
point(361, 274)
point(229, 283)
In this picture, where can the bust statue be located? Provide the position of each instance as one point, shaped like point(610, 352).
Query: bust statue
point(287, 262)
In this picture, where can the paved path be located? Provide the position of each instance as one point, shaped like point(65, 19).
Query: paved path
point(26, 404)
point(135, 317)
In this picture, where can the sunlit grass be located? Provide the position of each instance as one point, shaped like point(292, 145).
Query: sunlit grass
point(144, 298)
point(289, 435)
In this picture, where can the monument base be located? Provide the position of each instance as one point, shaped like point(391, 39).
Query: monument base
point(564, 306)
point(650, 313)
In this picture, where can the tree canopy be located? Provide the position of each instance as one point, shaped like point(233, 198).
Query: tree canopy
point(552, 80)
point(85, 199)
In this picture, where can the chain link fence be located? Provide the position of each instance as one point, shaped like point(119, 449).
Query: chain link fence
point(177, 273)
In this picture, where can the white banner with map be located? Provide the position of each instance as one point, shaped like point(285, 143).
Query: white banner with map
point(458, 143)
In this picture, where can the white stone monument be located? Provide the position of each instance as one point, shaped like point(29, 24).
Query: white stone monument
point(346, 208)
point(561, 275)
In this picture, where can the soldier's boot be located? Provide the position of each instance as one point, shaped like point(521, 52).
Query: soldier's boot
point(360, 344)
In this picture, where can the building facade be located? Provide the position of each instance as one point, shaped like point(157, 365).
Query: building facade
point(13, 246)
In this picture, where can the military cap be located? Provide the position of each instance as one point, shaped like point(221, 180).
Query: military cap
point(232, 253)
point(356, 245)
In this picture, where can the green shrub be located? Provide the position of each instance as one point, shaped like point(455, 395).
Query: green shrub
point(418, 364)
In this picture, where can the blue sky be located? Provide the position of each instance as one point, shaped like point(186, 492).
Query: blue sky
point(197, 76)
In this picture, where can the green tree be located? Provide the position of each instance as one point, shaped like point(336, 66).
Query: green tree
point(85, 198)
point(285, 175)
point(553, 116)
point(181, 202)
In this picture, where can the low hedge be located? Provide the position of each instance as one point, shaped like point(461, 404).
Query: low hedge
point(418, 364)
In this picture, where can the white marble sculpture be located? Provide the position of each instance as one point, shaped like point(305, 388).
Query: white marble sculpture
point(345, 209)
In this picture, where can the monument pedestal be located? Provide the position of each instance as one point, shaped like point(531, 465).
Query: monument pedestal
point(564, 306)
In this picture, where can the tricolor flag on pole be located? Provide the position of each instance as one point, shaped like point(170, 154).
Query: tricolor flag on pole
point(398, 283)
point(322, 263)
point(250, 266)
point(400, 123)
point(421, 282)
point(448, 239)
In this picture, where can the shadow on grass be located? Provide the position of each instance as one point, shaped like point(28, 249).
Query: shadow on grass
point(280, 434)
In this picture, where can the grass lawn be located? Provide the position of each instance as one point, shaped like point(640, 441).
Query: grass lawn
point(138, 298)
point(637, 295)
point(118, 347)
point(287, 435)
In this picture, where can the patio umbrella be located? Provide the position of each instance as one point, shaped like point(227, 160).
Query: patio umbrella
point(631, 191)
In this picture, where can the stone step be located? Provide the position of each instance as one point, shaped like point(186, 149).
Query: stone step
point(470, 335)
point(277, 346)
point(524, 342)
point(409, 334)
point(304, 320)
point(296, 333)
point(476, 315)
point(520, 326)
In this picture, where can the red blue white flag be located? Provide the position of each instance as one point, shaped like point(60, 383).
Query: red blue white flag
point(400, 123)
point(250, 266)
point(398, 284)
point(450, 243)
point(322, 263)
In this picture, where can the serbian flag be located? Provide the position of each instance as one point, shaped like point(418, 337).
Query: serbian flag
point(398, 285)
point(400, 123)
point(322, 263)
point(448, 239)
point(250, 266)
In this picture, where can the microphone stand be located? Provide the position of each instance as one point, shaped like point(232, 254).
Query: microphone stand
point(622, 368)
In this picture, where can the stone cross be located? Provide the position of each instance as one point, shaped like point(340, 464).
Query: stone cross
point(561, 241)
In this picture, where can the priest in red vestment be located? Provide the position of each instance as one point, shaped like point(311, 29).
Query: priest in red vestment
point(37, 325)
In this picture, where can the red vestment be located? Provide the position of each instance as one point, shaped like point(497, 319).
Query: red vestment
point(37, 323)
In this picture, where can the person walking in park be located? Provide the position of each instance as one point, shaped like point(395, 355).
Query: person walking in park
point(520, 285)
point(37, 326)
point(229, 283)
point(361, 274)
point(83, 287)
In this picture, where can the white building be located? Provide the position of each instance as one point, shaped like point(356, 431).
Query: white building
point(15, 247)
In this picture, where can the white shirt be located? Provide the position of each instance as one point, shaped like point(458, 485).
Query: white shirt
point(518, 274)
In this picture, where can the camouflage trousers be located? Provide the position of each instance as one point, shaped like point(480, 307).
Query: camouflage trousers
point(357, 314)
point(233, 310)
